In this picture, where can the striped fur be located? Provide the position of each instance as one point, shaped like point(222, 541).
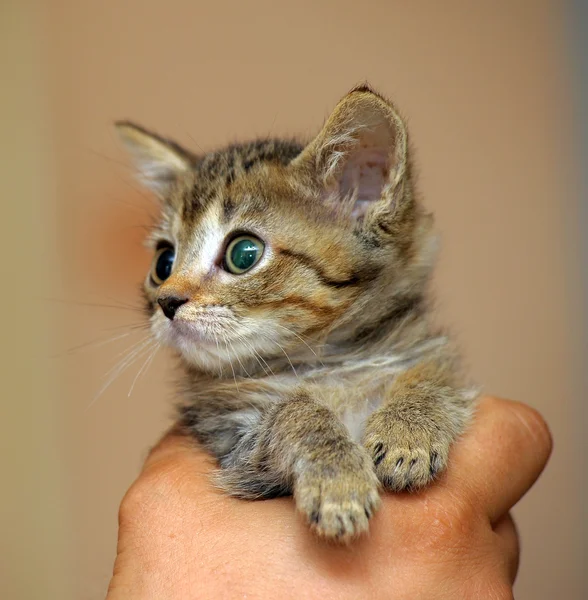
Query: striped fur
point(316, 373)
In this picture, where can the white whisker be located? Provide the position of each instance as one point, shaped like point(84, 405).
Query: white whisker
point(295, 334)
point(145, 366)
point(260, 359)
point(256, 354)
point(285, 354)
point(130, 355)
point(128, 350)
point(231, 363)
point(93, 344)
point(220, 366)
point(238, 359)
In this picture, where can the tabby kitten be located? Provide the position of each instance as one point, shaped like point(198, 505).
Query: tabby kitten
point(291, 280)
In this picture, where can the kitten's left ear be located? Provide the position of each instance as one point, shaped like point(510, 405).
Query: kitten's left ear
point(159, 162)
point(360, 156)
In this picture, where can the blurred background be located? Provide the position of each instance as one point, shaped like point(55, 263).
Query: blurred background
point(493, 93)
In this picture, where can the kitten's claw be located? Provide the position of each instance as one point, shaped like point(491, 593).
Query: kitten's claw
point(338, 507)
point(405, 458)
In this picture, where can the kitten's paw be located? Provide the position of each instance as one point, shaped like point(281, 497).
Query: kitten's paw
point(406, 456)
point(338, 507)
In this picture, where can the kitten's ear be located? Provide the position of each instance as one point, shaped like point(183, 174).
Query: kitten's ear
point(159, 162)
point(360, 155)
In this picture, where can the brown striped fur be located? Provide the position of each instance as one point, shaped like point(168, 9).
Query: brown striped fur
point(316, 373)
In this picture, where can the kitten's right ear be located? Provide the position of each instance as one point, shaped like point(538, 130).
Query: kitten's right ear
point(159, 162)
point(359, 159)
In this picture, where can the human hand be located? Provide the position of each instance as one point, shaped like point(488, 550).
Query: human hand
point(180, 538)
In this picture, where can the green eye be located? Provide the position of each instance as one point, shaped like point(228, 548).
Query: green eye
point(243, 253)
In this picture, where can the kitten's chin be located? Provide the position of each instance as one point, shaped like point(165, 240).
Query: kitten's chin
point(214, 344)
point(192, 343)
point(190, 337)
point(200, 344)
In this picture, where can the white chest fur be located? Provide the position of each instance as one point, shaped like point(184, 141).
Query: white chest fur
point(355, 417)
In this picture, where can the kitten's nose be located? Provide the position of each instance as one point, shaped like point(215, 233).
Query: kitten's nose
point(170, 304)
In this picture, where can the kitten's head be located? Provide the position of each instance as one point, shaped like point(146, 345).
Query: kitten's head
point(265, 248)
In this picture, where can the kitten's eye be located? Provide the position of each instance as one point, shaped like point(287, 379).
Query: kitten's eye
point(242, 254)
point(162, 265)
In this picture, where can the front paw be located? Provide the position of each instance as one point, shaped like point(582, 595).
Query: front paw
point(338, 506)
point(407, 456)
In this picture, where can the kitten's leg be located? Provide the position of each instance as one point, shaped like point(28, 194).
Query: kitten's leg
point(300, 446)
point(410, 434)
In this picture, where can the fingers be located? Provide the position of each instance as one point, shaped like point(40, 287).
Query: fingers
point(175, 476)
point(175, 465)
point(501, 456)
point(508, 539)
point(173, 445)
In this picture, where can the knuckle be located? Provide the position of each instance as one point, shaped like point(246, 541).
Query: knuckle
point(133, 502)
point(144, 496)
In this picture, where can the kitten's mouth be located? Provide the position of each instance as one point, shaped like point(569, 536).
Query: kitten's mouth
point(190, 329)
point(202, 327)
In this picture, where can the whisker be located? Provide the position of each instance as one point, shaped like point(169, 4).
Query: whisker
point(145, 228)
point(279, 346)
point(127, 362)
point(145, 366)
point(118, 302)
point(105, 157)
point(256, 354)
point(141, 207)
point(131, 326)
point(131, 347)
point(199, 147)
point(261, 361)
point(285, 354)
point(95, 304)
point(259, 358)
point(91, 345)
point(129, 357)
point(231, 363)
point(295, 334)
point(238, 359)
point(122, 179)
point(299, 335)
point(220, 366)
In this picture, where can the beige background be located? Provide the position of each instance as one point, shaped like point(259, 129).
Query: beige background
point(486, 87)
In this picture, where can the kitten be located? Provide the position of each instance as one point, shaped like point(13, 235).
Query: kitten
point(291, 280)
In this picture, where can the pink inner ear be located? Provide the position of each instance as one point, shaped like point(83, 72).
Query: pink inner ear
point(366, 172)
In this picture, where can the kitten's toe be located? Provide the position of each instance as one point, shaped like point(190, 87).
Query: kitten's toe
point(340, 507)
point(407, 469)
point(405, 458)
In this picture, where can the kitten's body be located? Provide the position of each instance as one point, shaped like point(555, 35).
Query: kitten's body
point(316, 372)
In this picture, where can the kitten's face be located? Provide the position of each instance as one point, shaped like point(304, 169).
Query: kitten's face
point(266, 248)
point(261, 267)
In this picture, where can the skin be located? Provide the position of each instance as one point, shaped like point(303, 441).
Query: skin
point(180, 538)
